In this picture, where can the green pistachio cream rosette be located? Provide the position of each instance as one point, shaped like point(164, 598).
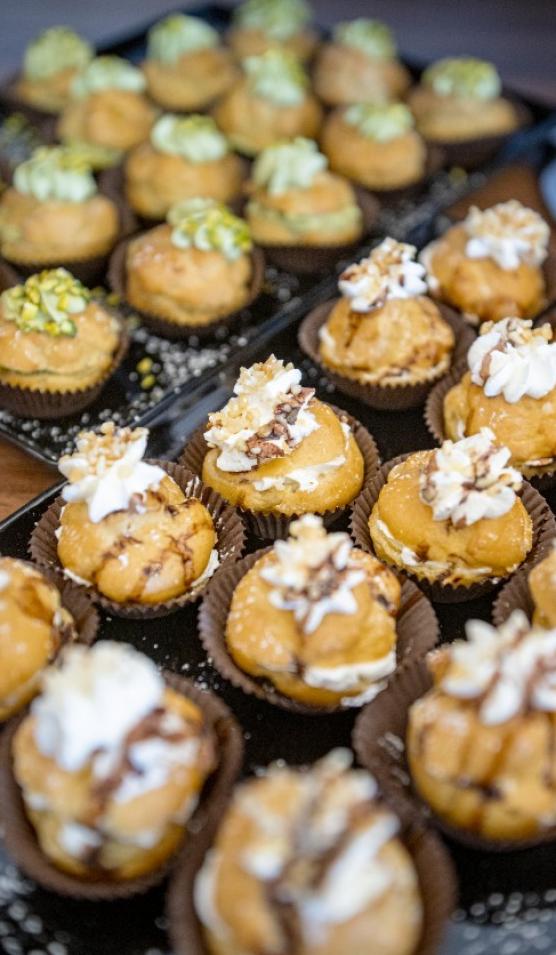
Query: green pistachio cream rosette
point(371, 37)
point(289, 165)
point(380, 123)
point(277, 76)
point(195, 138)
point(56, 173)
point(177, 35)
point(53, 51)
point(278, 19)
point(208, 225)
point(464, 77)
point(46, 302)
point(108, 73)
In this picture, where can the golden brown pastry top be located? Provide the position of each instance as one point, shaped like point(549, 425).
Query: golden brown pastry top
point(312, 857)
point(329, 614)
point(109, 748)
point(542, 584)
point(33, 627)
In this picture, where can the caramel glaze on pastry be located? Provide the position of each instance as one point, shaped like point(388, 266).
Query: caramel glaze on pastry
point(459, 99)
point(54, 212)
point(452, 515)
point(274, 447)
point(270, 103)
point(316, 618)
point(385, 330)
point(194, 270)
point(50, 64)
point(374, 146)
point(542, 585)
point(480, 744)
point(294, 200)
point(489, 266)
point(127, 528)
point(309, 861)
point(260, 25)
point(511, 388)
point(186, 157)
point(53, 337)
point(360, 65)
point(33, 627)
point(108, 108)
point(111, 763)
point(186, 67)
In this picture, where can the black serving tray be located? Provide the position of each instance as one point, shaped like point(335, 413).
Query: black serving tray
point(508, 903)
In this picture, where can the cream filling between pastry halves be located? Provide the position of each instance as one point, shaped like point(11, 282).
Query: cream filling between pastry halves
point(432, 569)
point(367, 677)
point(307, 478)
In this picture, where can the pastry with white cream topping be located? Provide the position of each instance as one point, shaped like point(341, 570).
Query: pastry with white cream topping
point(317, 618)
point(510, 387)
point(111, 763)
point(50, 64)
point(490, 265)
point(385, 330)
point(275, 448)
point(260, 25)
point(317, 863)
point(453, 516)
point(127, 529)
point(480, 743)
point(34, 625)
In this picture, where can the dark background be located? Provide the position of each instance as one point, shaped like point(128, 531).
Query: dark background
point(518, 35)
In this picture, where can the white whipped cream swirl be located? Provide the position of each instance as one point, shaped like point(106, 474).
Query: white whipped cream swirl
point(513, 359)
point(467, 481)
point(107, 470)
point(510, 670)
point(509, 233)
point(261, 391)
point(390, 271)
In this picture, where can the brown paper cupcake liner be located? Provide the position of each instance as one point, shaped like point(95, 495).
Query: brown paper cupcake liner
point(45, 405)
point(21, 842)
point(541, 478)
point(379, 741)
point(471, 153)
point(162, 326)
point(387, 397)
point(535, 504)
point(434, 162)
point(43, 545)
point(43, 121)
point(8, 276)
point(435, 873)
point(515, 594)
point(305, 259)
point(272, 526)
point(91, 270)
point(416, 626)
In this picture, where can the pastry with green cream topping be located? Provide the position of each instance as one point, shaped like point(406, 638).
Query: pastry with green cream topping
point(109, 112)
point(259, 25)
point(459, 99)
point(360, 65)
point(186, 66)
point(193, 270)
point(54, 337)
point(375, 145)
point(53, 213)
point(185, 157)
point(50, 64)
point(295, 200)
point(270, 103)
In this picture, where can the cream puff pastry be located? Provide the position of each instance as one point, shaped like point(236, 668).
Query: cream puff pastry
point(259, 25)
point(50, 64)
